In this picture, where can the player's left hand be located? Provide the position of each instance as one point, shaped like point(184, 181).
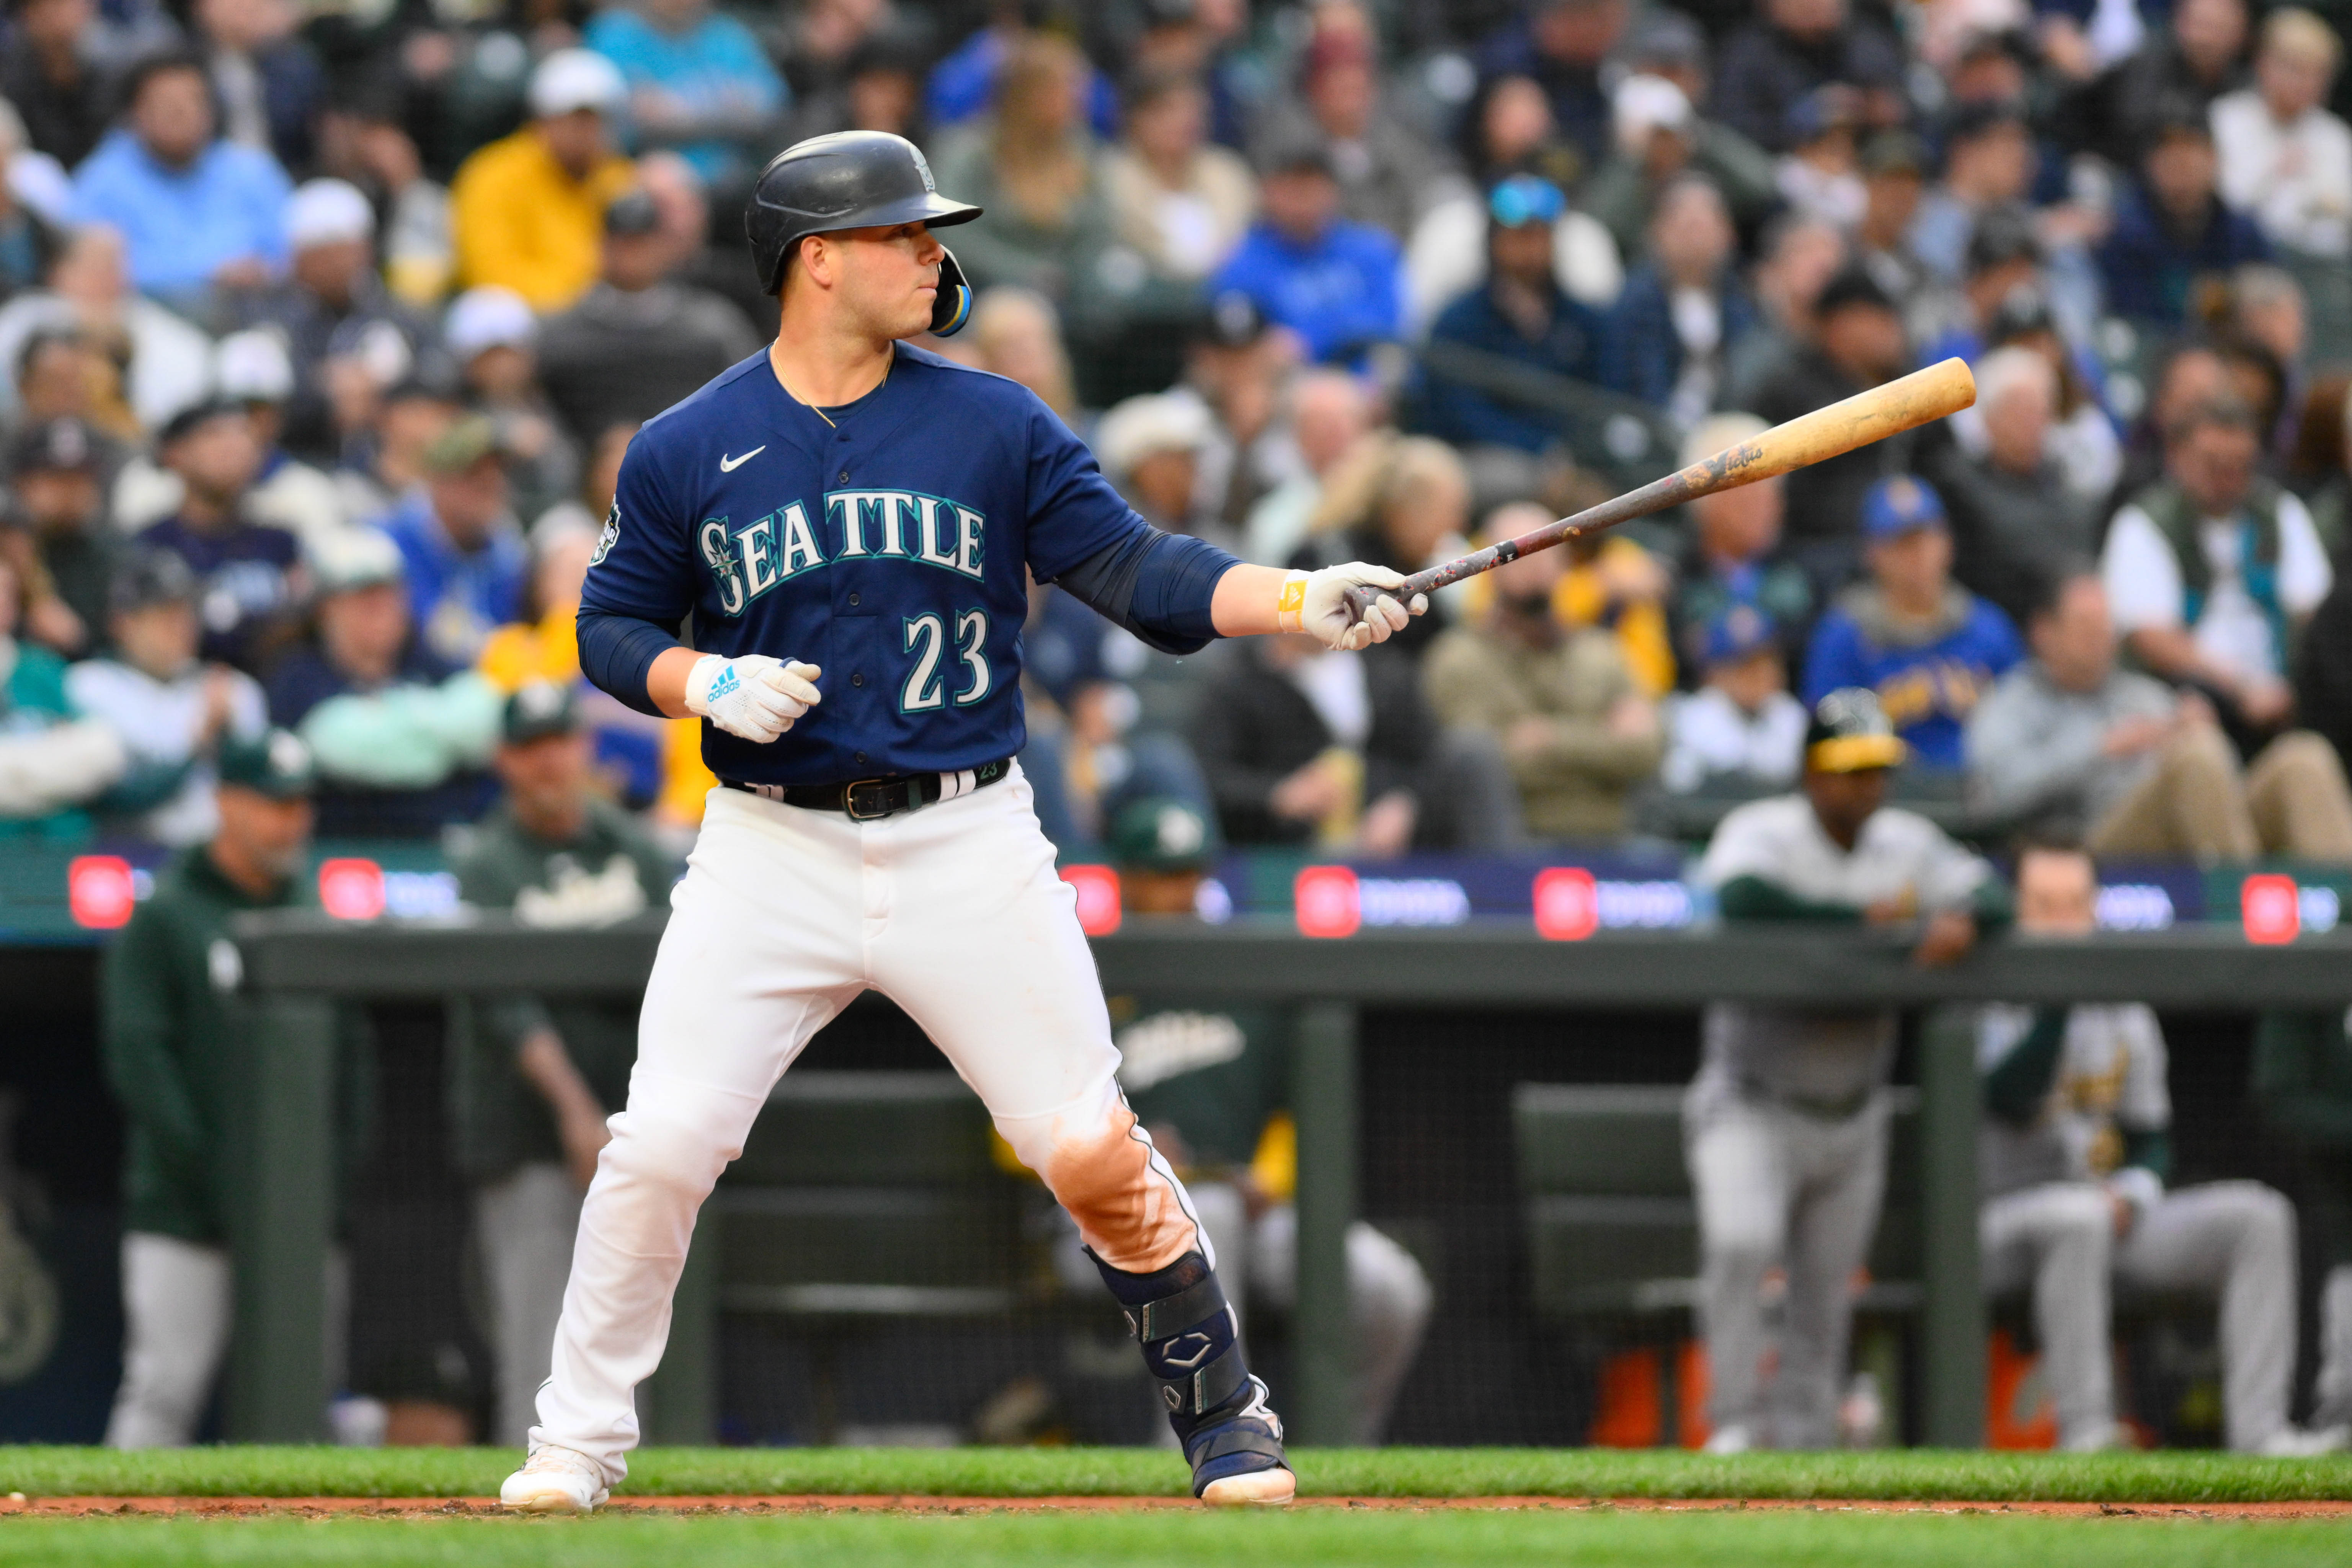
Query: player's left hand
point(755, 696)
point(1324, 614)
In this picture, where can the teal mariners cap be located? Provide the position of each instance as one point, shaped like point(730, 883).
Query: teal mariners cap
point(1162, 833)
point(276, 763)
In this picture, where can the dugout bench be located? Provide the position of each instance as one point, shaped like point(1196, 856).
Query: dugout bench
point(296, 960)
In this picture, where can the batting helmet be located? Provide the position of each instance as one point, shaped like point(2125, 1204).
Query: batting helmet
point(852, 179)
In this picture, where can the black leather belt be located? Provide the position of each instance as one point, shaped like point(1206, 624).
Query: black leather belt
point(870, 800)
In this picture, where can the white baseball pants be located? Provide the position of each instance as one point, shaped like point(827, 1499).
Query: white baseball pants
point(953, 911)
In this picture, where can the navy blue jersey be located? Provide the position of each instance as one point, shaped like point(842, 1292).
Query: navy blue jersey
point(886, 545)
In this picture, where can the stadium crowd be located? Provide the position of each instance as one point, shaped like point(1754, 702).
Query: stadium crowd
point(323, 331)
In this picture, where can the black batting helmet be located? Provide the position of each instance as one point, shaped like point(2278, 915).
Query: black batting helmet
point(852, 179)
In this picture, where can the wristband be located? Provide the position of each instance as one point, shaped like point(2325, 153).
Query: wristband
point(1290, 604)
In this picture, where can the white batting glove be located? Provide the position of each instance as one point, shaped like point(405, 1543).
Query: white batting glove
point(1315, 602)
point(755, 697)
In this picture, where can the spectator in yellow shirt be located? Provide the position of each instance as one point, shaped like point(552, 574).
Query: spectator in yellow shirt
point(529, 209)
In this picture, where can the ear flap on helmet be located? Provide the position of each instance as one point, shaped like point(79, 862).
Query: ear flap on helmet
point(952, 307)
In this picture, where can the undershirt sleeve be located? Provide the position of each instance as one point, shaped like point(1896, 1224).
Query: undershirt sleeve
point(618, 652)
point(1158, 586)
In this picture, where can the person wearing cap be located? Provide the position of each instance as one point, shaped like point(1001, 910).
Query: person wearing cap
point(53, 760)
point(638, 341)
point(466, 560)
point(1740, 732)
point(1659, 134)
point(698, 81)
point(2171, 226)
point(1334, 282)
point(532, 1080)
point(2182, 66)
point(1820, 174)
point(528, 210)
point(1785, 1125)
point(1181, 202)
point(266, 78)
point(2015, 518)
point(1236, 367)
point(1149, 448)
point(250, 572)
point(1894, 182)
point(493, 337)
point(2284, 157)
point(1563, 46)
point(55, 73)
point(1210, 1083)
point(171, 1024)
point(61, 537)
point(1792, 48)
point(1734, 555)
point(1926, 646)
point(1683, 310)
point(1518, 317)
point(1989, 165)
point(251, 370)
point(196, 212)
point(1387, 171)
point(172, 710)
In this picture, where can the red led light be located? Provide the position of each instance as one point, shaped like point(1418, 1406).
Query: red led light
point(1097, 890)
point(2272, 907)
point(1326, 902)
point(350, 890)
point(100, 890)
point(1568, 903)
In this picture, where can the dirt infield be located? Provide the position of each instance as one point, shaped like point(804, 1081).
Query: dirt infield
point(324, 1506)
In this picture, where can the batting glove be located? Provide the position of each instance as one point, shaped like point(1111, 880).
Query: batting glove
point(1315, 602)
point(755, 697)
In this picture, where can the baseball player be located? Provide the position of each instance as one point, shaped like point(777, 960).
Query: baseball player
point(849, 523)
point(1785, 1126)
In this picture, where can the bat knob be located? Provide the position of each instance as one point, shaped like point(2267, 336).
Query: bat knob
point(1360, 600)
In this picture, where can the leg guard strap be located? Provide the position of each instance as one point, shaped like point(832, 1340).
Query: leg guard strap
point(1199, 1392)
point(1239, 1439)
point(1173, 1315)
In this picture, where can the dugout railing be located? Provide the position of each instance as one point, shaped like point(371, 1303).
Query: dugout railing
point(296, 963)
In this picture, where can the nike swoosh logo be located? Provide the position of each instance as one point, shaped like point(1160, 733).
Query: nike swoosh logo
point(727, 465)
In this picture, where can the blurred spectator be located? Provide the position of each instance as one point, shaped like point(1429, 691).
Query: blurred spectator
point(698, 81)
point(2302, 1084)
point(465, 565)
point(1734, 558)
point(2082, 436)
point(1332, 281)
point(2003, 257)
point(1212, 1088)
point(2212, 571)
point(1233, 365)
point(2173, 229)
point(1149, 448)
point(528, 210)
point(1611, 584)
point(1036, 168)
point(818, 43)
point(61, 374)
point(1785, 1128)
point(52, 761)
point(1859, 344)
point(1740, 730)
point(2283, 158)
point(1329, 415)
point(158, 363)
point(1659, 138)
point(1386, 173)
point(64, 546)
point(1446, 256)
point(55, 73)
point(267, 81)
point(2196, 59)
point(879, 87)
point(251, 369)
point(1180, 202)
point(1401, 502)
point(250, 572)
point(1894, 185)
point(1303, 746)
point(173, 711)
point(362, 138)
point(971, 80)
point(532, 1081)
point(494, 338)
point(2015, 516)
point(1821, 174)
point(196, 212)
point(386, 459)
point(2075, 1152)
point(400, 738)
point(1508, 130)
point(1793, 48)
point(636, 342)
point(2068, 745)
point(1573, 724)
point(1683, 310)
point(33, 195)
point(1518, 318)
point(1800, 257)
point(1927, 647)
point(1015, 334)
point(173, 1035)
point(683, 200)
point(1562, 46)
point(1988, 167)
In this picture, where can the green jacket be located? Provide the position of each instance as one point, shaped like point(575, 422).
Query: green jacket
point(2302, 1079)
point(610, 870)
point(1215, 1074)
point(173, 1026)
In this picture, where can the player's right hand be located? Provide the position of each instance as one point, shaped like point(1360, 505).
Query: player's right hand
point(755, 697)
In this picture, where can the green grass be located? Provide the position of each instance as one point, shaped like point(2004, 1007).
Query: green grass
point(1895, 1474)
point(1178, 1540)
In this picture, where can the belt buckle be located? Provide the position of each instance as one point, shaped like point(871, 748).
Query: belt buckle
point(849, 801)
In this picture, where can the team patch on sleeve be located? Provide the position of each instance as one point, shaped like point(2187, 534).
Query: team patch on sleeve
point(610, 537)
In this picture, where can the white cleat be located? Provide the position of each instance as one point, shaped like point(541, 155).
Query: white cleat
point(2303, 1443)
point(556, 1480)
point(1264, 1488)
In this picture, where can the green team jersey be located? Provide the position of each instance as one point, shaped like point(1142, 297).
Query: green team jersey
point(1217, 1075)
point(609, 870)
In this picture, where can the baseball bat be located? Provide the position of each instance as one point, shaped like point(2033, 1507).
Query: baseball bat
point(1859, 420)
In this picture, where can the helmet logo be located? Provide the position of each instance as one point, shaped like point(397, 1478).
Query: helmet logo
point(923, 167)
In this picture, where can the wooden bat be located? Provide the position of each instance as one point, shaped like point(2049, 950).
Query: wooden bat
point(1865, 417)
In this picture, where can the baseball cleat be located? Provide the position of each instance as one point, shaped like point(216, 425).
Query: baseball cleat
point(1239, 1460)
point(554, 1480)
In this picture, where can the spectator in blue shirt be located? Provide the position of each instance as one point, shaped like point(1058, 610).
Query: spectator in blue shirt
point(2174, 228)
point(465, 558)
point(1683, 312)
point(1518, 316)
point(698, 81)
point(195, 212)
point(962, 85)
point(1927, 646)
point(1333, 282)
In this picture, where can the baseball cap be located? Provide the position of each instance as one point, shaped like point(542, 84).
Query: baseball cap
point(1162, 833)
point(151, 577)
point(1850, 733)
point(537, 710)
point(470, 438)
point(2003, 236)
point(1299, 149)
point(489, 317)
point(632, 212)
point(2023, 312)
point(1855, 286)
point(1665, 37)
point(1832, 106)
point(1893, 152)
point(355, 558)
point(194, 417)
point(1738, 632)
point(1153, 422)
point(1899, 505)
point(252, 366)
point(1645, 103)
point(65, 445)
point(276, 764)
point(327, 212)
point(1524, 199)
point(575, 79)
point(1232, 320)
